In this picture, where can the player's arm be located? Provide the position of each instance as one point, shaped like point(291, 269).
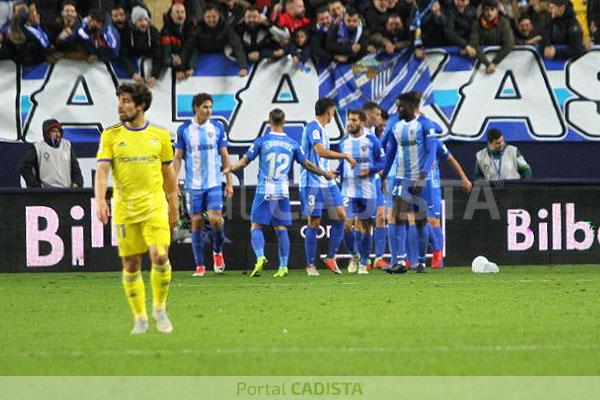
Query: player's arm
point(100, 187)
point(241, 164)
point(179, 145)
point(457, 168)
point(226, 166)
point(315, 169)
point(177, 159)
point(171, 191)
point(391, 149)
point(333, 155)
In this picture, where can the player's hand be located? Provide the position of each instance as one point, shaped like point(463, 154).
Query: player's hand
point(227, 170)
point(329, 175)
point(229, 190)
point(468, 185)
point(243, 72)
point(151, 81)
point(102, 211)
point(549, 52)
point(351, 160)
point(490, 69)
point(138, 77)
point(419, 184)
point(470, 51)
point(176, 60)
point(173, 214)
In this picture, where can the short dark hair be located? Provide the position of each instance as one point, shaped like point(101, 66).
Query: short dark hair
point(322, 10)
point(361, 114)
point(200, 98)
point(559, 3)
point(334, 1)
point(211, 7)
point(277, 116)
point(523, 18)
point(67, 3)
point(370, 106)
point(393, 15)
point(98, 15)
point(351, 11)
point(412, 98)
point(140, 94)
point(493, 135)
point(489, 4)
point(252, 8)
point(116, 6)
point(322, 105)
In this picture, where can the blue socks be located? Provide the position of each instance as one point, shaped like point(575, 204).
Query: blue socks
point(335, 238)
point(379, 238)
point(258, 242)
point(365, 247)
point(437, 238)
point(413, 245)
point(310, 244)
point(349, 241)
point(283, 240)
point(401, 233)
point(197, 247)
point(423, 239)
point(393, 243)
point(218, 238)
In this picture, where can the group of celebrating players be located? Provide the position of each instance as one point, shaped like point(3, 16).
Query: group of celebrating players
point(395, 170)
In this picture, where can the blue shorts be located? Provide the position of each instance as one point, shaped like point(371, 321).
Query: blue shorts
point(267, 211)
point(364, 209)
point(316, 199)
point(204, 200)
point(434, 199)
point(389, 199)
point(404, 189)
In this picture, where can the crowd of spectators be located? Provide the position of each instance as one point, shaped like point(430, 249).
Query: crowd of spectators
point(34, 31)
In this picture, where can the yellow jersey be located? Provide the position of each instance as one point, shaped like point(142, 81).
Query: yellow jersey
point(136, 157)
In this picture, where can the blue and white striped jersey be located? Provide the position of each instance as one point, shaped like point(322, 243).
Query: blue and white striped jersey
point(313, 134)
point(276, 152)
point(366, 150)
point(409, 142)
point(201, 145)
point(441, 153)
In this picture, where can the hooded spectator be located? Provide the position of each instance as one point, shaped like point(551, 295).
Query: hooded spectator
point(51, 162)
point(141, 41)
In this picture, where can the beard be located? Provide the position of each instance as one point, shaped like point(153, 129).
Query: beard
point(125, 118)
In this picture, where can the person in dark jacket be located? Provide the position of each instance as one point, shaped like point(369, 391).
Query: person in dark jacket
point(51, 162)
point(492, 29)
point(142, 40)
point(232, 11)
point(118, 16)
point(458, 25)
point(27, 43)
point(349, 40)
point(211, 36)
point(537, 11)
point(64, 33)
point(99, 37)
point(177, 31)
point(256, 37)
point(433, 26)
point(392, 37)
point(563, 29)
point(299, 48)
point(318, 36)
point(525, 33)
point(375, 14)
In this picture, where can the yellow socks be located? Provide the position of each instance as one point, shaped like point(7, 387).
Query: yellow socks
point(133, 285)
point(160, 278)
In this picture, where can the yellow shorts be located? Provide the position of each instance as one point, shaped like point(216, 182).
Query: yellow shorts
point(135, 238)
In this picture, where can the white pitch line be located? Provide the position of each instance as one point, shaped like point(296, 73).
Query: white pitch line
point(302, 350)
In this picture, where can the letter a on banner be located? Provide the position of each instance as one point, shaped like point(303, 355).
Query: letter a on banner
point(518, 91)
point(89, 101)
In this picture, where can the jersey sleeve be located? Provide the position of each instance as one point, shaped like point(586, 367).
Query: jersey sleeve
point(430, 127)
point(105, 152)
point(299, 154)
point(222, 142)
point(166, 151)
point(442, 150)
point(254, 149)
point(315, 136)
point(180, 140)
point(377, 161)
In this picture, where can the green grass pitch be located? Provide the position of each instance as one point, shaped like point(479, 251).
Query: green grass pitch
point(523, 321)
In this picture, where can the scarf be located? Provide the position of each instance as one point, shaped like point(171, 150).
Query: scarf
point(39, 34)
point(485, 24)
point(322, 28)
point(344, 34)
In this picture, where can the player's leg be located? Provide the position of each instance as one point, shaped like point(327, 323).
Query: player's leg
point(412, 243)
point(350, 235)
point(391, 221)
point(311, 200)
point(215, 218)
point(282, 219)
point(436, 234)
point(400, 217)
point(131, 247)
point(365, 245)
point(157, 235)
point(420, 209)
point(258, 245)
point(337, 214)
point(198, 206)
point(379, 235)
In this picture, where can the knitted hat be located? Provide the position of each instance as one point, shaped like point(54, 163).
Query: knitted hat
point(138, 13)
